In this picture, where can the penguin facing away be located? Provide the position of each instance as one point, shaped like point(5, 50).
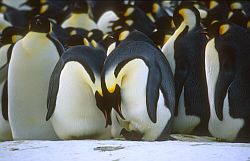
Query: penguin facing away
point(227, 72)
point(33, 60)
point(75, 94)
point(138, 83)
point(185, 52)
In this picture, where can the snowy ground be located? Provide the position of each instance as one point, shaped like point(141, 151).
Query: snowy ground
point(115, 150)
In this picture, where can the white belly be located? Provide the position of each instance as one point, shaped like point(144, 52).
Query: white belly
point(226, 129)
point(5, 132)
point(76, 115)
point(133, 105)
point(29, 73)
point(184, 123)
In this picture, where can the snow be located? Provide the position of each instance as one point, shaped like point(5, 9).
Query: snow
point(117, 150)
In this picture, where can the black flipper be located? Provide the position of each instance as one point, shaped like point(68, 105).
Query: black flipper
point(152, 91)
point(53, 88)
point(5, 101)
point(58, 45)
point(223, 82)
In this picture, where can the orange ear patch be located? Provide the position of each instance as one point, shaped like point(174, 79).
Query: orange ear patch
point(223, 29)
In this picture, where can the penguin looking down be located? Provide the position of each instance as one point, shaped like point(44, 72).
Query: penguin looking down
point(227, 72)
point(75, 95)
point(32, 62)
point(137, 83)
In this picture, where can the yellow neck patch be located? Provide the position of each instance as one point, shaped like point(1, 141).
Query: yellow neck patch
point(123, 35)
point(213, 4)
point(248, 24)
point(235, 5)
point(129, 22)
point(85, 42)
point(223, 29)
point(44, 8)
point(128, 12)
point(3, 9)
point(155, 8)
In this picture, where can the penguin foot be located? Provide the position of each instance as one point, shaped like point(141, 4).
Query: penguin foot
point(131, 135)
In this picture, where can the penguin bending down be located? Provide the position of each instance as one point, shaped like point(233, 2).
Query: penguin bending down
point(33, 60)
point(75, 95)
point(138, 83)
point(185, 51)
point(227, 71)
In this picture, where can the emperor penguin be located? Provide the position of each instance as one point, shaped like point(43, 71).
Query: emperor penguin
point(227, 71)
point(104, 13)
point(9, 36)
point(137, 83)
point(185, 51)
point(79, 17)
point(75, 95)
point(32, 62)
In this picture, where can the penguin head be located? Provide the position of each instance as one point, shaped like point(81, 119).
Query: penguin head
point(11, 35)
point(40, 24)
point(79, 7)
point(238, 17)
point(186, 13)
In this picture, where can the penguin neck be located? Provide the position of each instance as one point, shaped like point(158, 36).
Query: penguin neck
point(191, 22)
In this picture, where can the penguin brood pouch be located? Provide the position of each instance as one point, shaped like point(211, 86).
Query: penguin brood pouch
point(227, 71)
point(138, 89)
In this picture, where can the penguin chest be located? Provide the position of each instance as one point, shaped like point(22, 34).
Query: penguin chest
point(133, 93)
point(30, 68)
point(80, 21)
point(134, 108)
point(76, 114)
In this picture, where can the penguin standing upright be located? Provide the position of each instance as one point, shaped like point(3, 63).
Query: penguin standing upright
point(227, 71)
point(138, 83)
point(33, 60)
point(9, 36)
point(75, 95)
point(79, 17)
point(185, 51)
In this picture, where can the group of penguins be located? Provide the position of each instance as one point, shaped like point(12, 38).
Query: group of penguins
point(138, 70)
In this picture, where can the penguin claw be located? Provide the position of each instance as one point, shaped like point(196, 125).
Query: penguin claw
point(131, 135)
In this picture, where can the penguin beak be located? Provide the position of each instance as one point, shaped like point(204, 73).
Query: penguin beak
point(101, 105)
point(114, 97)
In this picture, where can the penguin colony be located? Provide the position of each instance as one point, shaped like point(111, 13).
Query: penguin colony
point(139, 70)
